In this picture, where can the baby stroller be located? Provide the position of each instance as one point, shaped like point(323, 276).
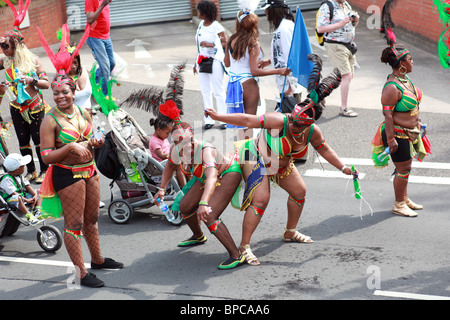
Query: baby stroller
point(48, 236)
point(140, 173)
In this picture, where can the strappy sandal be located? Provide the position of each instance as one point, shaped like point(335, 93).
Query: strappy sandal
point(348, 113)
point(297, 237)
point(248, 255)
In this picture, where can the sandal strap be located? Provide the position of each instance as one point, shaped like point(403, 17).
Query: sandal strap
point(248, 254)
point(297, 237)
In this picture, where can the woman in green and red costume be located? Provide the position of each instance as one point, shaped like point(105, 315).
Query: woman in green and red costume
point(72, 182)
point(401, 129)
point(215, 182)
point(27, 78)
point(270, 156)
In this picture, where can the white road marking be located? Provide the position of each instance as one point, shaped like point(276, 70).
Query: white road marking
point(329, 174)
point(369, 162)
point(41, 262)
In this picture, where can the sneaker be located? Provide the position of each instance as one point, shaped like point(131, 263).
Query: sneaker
point(193, 241)
point(37, 213)
point(31, 176)
point(101, 205)
point(90, 280)
point(40, 178)
point(107, 264)
point(32, 219)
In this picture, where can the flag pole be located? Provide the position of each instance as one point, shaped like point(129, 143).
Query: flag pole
point(282, 93)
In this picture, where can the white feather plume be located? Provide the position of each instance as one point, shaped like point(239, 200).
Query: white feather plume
point(248, 6)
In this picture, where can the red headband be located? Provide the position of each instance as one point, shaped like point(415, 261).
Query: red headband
point(299, 114)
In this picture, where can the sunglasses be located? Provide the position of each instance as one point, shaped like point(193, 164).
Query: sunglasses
point(4, 46)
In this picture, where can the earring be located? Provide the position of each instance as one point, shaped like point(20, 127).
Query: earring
point(401, 70)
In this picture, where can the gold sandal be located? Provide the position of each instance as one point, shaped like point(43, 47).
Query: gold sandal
point(297, 237)
point(250, 258)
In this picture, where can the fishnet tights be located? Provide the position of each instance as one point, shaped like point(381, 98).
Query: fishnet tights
point(81, 213)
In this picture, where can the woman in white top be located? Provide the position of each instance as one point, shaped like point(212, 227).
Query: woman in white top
point(242, 56)
point(211, 41)
point(281, 22)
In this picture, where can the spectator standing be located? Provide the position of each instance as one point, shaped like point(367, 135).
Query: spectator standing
point(97, 15)
point(338, 22)
point(211, 43)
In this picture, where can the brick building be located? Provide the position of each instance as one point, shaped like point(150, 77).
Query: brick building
point(49, 15)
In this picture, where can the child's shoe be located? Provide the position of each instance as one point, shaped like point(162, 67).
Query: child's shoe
point(32, 219)
point(37, 213)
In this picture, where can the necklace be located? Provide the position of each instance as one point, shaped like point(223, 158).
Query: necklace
point(302, 135)
point(404, 81)
point(65, 115)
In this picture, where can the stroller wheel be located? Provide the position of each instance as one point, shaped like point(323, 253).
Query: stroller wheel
point(49, 238)
point(120, 211)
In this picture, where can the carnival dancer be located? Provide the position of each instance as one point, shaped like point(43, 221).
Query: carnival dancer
point(214, 183)
point(242, 56)
point(26, 76)
point(72, 180)
point(271, 155)
point(401, 129)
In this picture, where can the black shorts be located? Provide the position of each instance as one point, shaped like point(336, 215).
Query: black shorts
point(403, 152)
point(63, 178)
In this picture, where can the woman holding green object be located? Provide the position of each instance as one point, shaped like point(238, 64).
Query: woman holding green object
point(271, 155)
point(215, 181)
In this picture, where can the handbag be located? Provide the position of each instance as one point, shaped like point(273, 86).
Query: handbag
point(206, 65)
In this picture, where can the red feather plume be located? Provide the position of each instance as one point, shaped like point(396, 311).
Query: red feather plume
point(18, 15)
point(62, 61)
point(170, 110)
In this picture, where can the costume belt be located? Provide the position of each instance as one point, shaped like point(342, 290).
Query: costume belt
point(406, 133)
point(84, 171)
point(34, 105)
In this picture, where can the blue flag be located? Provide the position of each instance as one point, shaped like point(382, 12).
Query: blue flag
point(300, 49)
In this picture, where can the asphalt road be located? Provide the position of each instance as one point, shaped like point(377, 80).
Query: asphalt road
point(361, 250)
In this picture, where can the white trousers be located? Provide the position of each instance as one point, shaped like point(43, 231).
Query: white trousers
point(213, 83)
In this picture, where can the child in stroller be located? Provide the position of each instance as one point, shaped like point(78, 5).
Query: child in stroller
point(16, 190)
point(159, 145)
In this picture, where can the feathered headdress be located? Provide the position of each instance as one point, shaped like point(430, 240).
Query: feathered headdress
point(166, 102)
point(150, 99)
point(318, 90)
point(18, 18)
point(246, 7)
point(63, 59)
point(387, 28)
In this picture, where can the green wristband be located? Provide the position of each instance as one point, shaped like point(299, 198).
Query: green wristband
point(203, 203)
